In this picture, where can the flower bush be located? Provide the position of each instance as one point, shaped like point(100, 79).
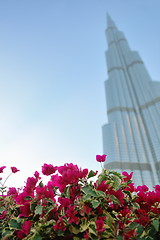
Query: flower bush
point(73, 206)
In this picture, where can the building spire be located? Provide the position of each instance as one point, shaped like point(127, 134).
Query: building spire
point(110, 22)
point(131, 139)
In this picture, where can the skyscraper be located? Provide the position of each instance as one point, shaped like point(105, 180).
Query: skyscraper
point(131, 139)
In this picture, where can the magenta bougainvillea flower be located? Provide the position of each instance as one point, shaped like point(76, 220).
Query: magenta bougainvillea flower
point(60, 225)
point(157, 188)
point(1, 169)
point(142, 217)
point(31, 184)
point(100, 224)
point(130, 187)
point(71, 215)
point(143, 188)
point(71, 206)
point(101, 158)
point(37, 175)
point(25, 229)
point(48, 169)
point(71, 173)
point(14, 169)
point(103, 186)
point(25, 210)
point(12, 191)
point(128, 176)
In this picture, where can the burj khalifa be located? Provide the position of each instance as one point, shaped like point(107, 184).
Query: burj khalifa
point(131, 138)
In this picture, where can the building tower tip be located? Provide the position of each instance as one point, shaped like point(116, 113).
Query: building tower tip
point(110, 22)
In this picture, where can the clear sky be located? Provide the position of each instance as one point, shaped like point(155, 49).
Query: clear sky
point(52, 73)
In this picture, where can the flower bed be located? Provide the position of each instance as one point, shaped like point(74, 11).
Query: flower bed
point(73, 206)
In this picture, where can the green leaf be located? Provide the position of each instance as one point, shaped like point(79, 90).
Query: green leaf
point(92, 229)
point(120, 237)
point(91, 174)
point(28, 198)
point(102, 178)
point(2, 209)
point(95, 203)
point(87, 197)
point(41, 184)
point(133, 225)
point(74, 230)
point(155, 223)
point(67, 192)
point(101, 193)
point(49, 223)
point(49, 209)
point(108, 234)
point(116, 174)
point(14, 224)
point(33, 206)
point(38, 210)
point(60, 233)
point(89, 190)
point(140, 230)
point(135, 205)
point(116, 182)
point(114, 199)
point(6, 233)
point(36, 236)
point(129, 194)
point(83, 227)
point(93, 237)
point(109, 222)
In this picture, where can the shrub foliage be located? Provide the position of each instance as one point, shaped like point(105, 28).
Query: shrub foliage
point(73, 206)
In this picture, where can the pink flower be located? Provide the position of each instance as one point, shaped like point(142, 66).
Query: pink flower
point(100, 224)
point(142, 188)
point(125, 212)
point(14, 169)
point(65, 202)
point(87, 209)
point(44, 192)
point(36, 174)
point(157, 188)
point(130, 235)
point(20, 199)
point(31, 183)
point(48, 169)
point(101, 158)
point(3, 214)
point(1, 169)
point(57, 181)
point(71, 214)
point(127, 176)
point(142, 217)
point(118, 194)
point(130, 187)
point(12, 191)
point(25, 210)
point(142, 197)
point(86, 235)
point(71, 173)
point(25, 229)
point(102, 186)
point(60, 225)
point(27, 226)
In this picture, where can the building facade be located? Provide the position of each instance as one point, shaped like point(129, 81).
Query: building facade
point(131, 139)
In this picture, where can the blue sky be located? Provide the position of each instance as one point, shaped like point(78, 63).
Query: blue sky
point(52, 73)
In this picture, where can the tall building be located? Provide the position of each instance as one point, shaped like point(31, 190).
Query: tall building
point(131, 139)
